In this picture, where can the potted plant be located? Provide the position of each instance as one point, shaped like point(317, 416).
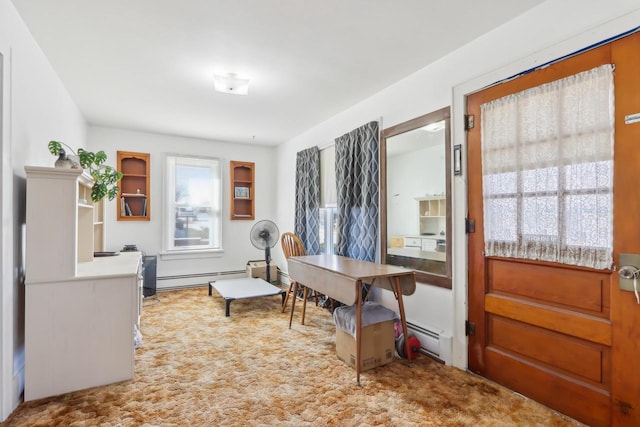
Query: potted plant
point(105, 178)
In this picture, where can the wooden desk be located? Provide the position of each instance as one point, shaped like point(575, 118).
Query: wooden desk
point(341, 278)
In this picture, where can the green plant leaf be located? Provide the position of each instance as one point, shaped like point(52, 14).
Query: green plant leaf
point(100, 157)
point(113, 192)
point(54, 147)
point(86, 158)
point(98, 191)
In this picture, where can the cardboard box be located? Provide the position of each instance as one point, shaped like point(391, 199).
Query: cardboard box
point(397, 242)
point(378, 345)
point(259, 269)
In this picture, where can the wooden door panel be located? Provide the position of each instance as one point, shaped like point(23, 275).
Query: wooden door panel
point(553, 351)
point(573, 324)
point(581, 290)
point(588, 404)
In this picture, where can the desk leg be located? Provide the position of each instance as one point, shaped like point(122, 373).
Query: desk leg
point(358, 330)
point(305, 292)
point(293, 303)
point(397, 289)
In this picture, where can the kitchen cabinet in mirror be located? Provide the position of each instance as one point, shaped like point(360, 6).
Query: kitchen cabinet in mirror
point(415, 184)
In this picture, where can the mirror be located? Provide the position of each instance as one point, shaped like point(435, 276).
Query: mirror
point(415, 188)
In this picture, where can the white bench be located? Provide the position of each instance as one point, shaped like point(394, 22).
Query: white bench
point(247, 287)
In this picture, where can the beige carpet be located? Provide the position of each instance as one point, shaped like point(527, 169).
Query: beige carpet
point(197, 367)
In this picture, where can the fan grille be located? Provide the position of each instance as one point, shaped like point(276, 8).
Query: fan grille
point(264, 234)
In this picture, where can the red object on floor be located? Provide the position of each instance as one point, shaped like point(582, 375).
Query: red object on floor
point(414, 346)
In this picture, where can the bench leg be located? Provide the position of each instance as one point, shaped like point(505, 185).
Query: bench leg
point(227, 303)
point(285, 297)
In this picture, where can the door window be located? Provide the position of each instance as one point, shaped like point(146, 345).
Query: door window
point(547, 165)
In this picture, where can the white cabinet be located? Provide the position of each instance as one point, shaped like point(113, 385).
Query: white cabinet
point(428, 244)
point(412, 242)
point(79, 311)
point(59, 225)
point(432, 214)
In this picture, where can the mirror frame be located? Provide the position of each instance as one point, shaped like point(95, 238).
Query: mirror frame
point(418, 122)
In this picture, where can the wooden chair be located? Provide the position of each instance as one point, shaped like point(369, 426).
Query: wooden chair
point(292, 246)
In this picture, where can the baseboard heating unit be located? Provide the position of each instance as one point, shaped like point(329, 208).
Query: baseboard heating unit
point(184, 281)
point(434, 343)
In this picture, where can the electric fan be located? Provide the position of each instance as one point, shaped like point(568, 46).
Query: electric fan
point(264, 235)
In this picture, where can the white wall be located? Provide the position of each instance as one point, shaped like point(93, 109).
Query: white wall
point(147, 235)
point(35, 109)
point(411, 175)
point(551, 30)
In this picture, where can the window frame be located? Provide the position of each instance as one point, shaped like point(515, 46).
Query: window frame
point(215, 248)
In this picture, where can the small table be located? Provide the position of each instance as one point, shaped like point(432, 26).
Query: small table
point(341, 278)
point(247, 287)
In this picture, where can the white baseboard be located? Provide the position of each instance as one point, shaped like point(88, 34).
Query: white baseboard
point(169, 283)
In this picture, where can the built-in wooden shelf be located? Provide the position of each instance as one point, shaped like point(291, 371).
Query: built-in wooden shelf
point(242, 190)
point(134, 200)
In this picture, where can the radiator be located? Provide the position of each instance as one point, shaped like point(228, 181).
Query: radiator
point(434, 343)
point(184, 281)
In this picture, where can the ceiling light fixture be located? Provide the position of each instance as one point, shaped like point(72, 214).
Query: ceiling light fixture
point(230, 83)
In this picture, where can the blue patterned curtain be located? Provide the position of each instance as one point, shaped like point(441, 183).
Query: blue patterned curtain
point(308, 199)
point(357, 181)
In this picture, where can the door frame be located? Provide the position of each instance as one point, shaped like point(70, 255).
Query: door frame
point(8, 400)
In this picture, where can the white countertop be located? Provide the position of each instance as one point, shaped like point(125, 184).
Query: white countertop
point(123, 264)
point(417, 253)
point(427, 236)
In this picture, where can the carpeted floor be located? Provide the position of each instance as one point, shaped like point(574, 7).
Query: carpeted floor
point(197, 367)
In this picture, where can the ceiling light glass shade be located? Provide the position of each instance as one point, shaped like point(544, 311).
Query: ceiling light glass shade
point(230, 83)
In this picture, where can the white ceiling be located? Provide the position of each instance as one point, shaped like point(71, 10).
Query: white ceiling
point(148, 64)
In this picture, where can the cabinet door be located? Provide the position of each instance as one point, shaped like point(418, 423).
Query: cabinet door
point(428, 245)
point(412, 242)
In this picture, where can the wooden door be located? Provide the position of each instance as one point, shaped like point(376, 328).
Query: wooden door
point(562, 335)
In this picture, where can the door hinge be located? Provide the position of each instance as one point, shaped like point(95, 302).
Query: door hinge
point(469, 225)
point(469, 121)
point(469, 328)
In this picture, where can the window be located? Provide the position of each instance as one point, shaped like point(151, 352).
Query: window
point(328, 228)
point(547, 161)
point(192, 208)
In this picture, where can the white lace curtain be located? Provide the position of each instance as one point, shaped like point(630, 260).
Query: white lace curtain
point(547, 164)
